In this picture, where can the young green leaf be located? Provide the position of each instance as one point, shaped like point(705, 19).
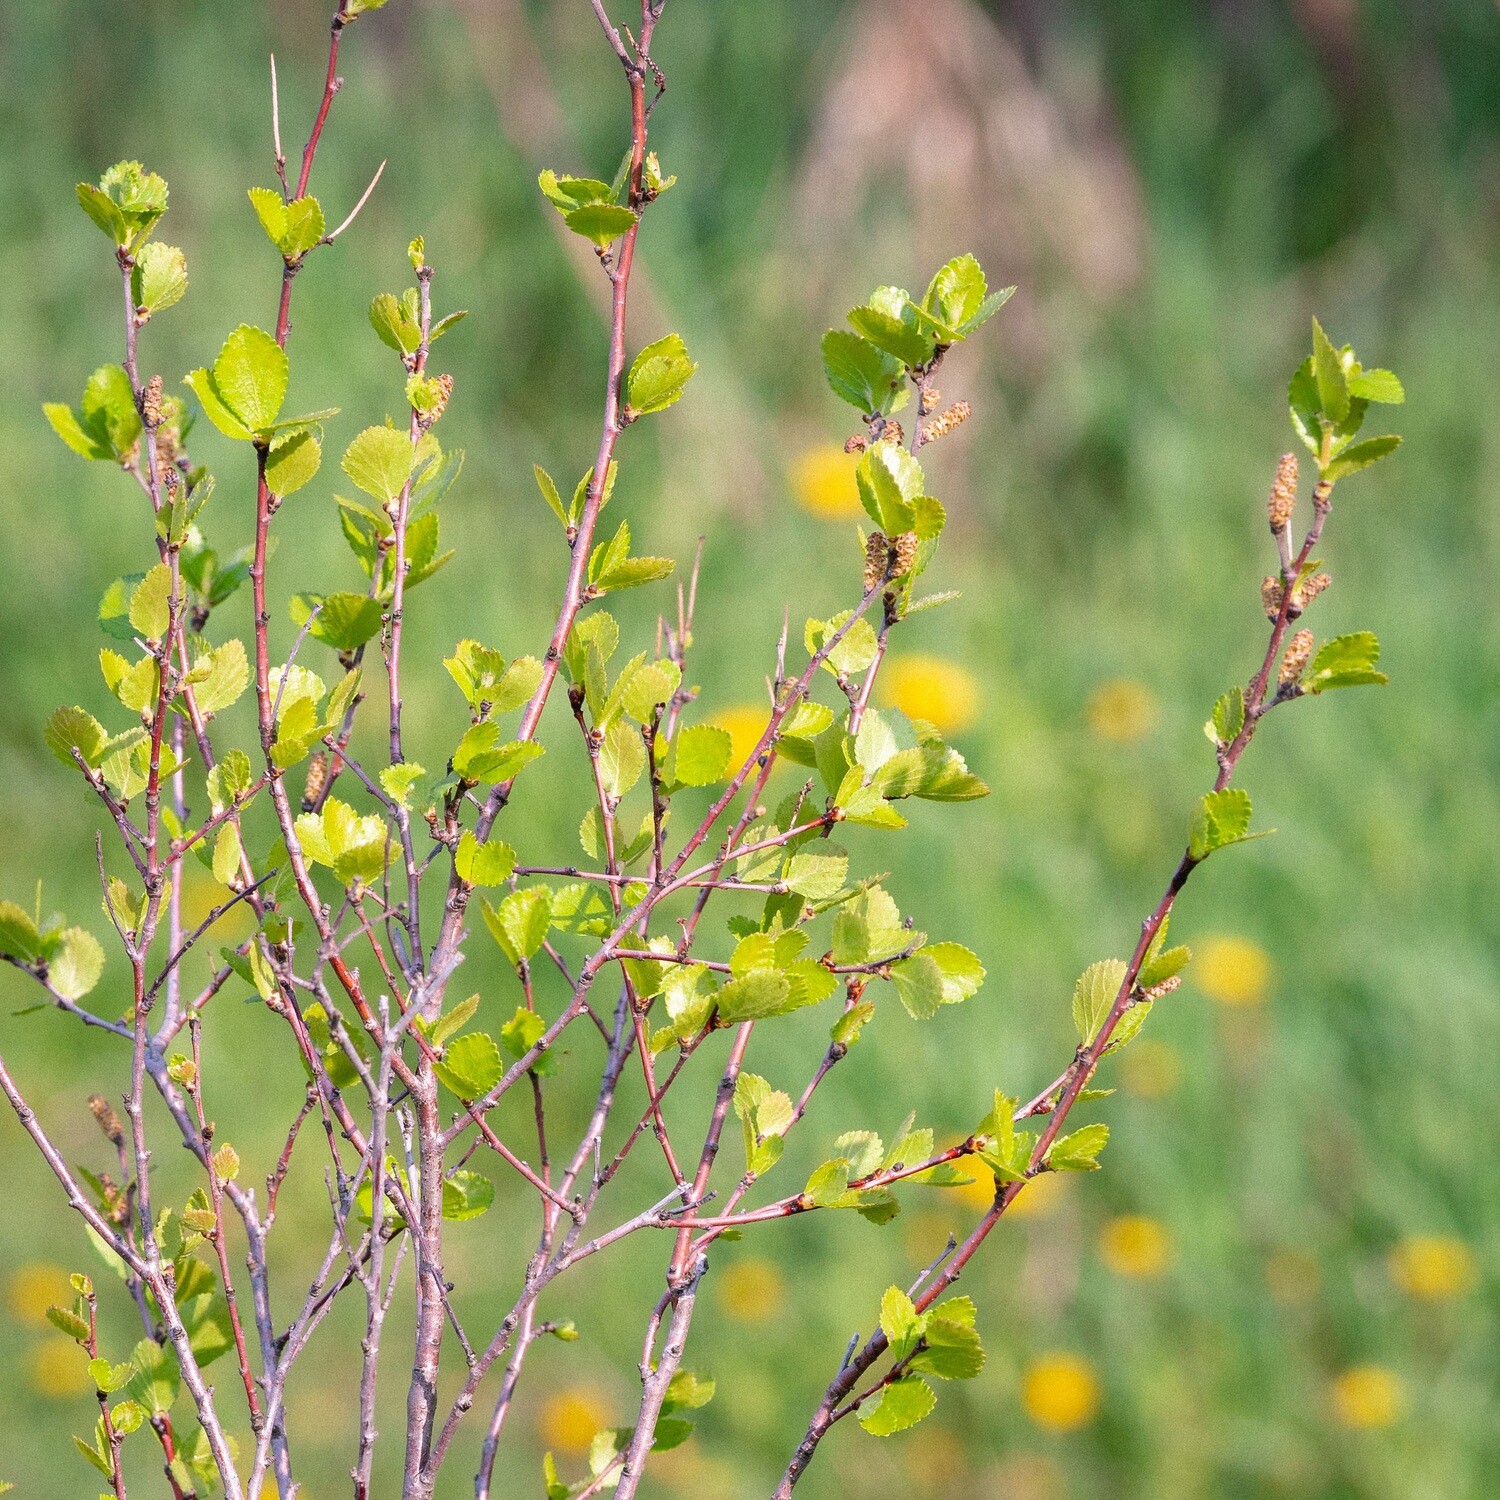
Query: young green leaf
point(1345, 661)
point(1094, 994)
point(601, 223)
point(869, 379)
point(658, 376)
point(159, 278)
point(889, 321)
point(243, 393)
point(75, 964)
point(1228, 717)
point(466, 1195)
point(481, 757)
point(901, 1404)
point(817, 872)
point(520, 923)
point(699, 755)
point(932, 771)
point(295, 227)
point(483, 864)
point(1078, 1152)
point(1361, 456)
point(380, 462)
point(1220, 819)
point(471, 1065)
point(293, 461)
point(961, 971)
point(1328, 371)
point(900, 1322)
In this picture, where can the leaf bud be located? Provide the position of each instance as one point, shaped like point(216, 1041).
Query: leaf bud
point(1283, 495)
point(1296, 658)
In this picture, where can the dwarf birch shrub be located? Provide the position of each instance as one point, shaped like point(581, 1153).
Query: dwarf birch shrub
point(696, 914)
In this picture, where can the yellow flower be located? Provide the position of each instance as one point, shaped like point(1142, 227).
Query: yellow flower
point(1432, 1267)
point(569, 1418)
point(1133, 1245)
point(1122, 711)
point(1293, 1277)
point(981, 1192)
point(1368, 1396)
point(746, 722)
point(1150, 1069)
point(33, 1288)
point(931, 688)
point(823, 481)
point(1231, 970)
point(1040, 1197)
point(751, 1289)
point(1060, 1392)
point(57, 1367)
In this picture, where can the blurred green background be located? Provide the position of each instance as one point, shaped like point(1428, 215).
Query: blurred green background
point(1284, 1284)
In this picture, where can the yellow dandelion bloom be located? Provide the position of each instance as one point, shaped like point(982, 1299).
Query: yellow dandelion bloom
point(1133, 1245)
point(751, 1289)
point(33, 1288)
point(569, 1418)
point(981, 1192)
point(822, 480)
point(1122, 711)
point(1367, 1396)
point(1040, 1197)
point(1293, 1277)
point(1060, 1392)
point(1231, 970)
point(933, 688)
point(1150, 1069)
point(57, 1367)
point(1432, 1267)
point(746, 722)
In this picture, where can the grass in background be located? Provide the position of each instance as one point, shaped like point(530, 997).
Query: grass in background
point(1285, 1283)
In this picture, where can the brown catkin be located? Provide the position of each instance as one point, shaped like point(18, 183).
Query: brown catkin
point(1283, 495)
point(1296, 658)
point(1164, 988)
point(905, 548)
point(944, 423)
point(893, 432)
point(109, 1121)
point(877, 554)
point(151, 402)
point(445, 390)
point(317, 779)
point(1312, 587)
point(855, 444)
point(1270, 596)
